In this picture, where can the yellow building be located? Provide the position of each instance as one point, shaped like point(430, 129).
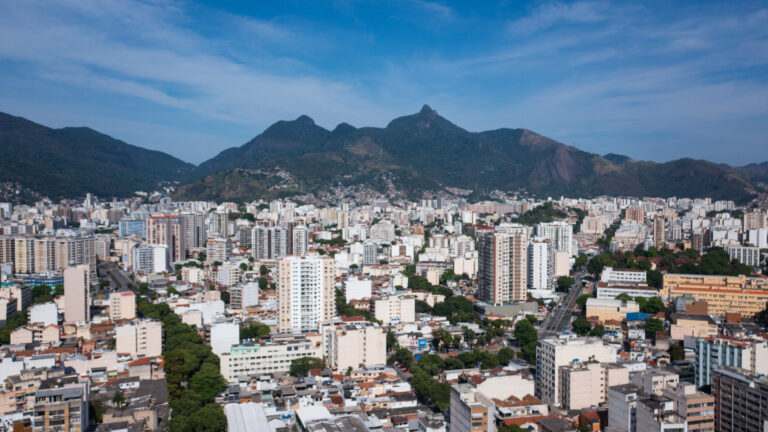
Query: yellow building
point(747, 295)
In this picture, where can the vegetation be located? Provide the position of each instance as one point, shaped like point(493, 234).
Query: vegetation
point(676, 352)
point(344, 309)
point(653, 325)
point(44, 293)
point(15, 321)
point(302, 366)
point(565, 282)
point(192, 373)
point(543, 213)
point(526, 335)
point(254, 331)
point(581, 326)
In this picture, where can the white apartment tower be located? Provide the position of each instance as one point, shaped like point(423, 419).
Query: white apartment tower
point(560, 233)
point(540, 263)
point(305, 292)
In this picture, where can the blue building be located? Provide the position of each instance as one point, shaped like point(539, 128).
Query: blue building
point(130, 227)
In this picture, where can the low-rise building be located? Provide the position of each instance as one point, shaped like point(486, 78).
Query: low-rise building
point(275, 356)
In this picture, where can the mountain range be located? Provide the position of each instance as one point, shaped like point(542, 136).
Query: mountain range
point(412, 155)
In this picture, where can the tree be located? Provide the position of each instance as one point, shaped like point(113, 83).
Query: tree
point(581, 261)
point(582, 300)
point(597, 330)
point(676, 352)
point(527, 336)
point(243, 266)
point(762, 317)
point(505, 355)
point(391, 340)
point(263, 270)
point(118, 399)
point(624, 297)
point(654, 278)
point(302, 366)
point(256, 330)
point(404, 356)
point(581, 326)
point(564, 282)
point(653, 325)
point(653, 305)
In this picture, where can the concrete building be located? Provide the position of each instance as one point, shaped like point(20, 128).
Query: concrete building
point(502, 267)
point(77, 294)
point(741, 400)
point(244, 295)
point(370, 253)
point(392, 309)
point(560, 234)
point(150, 258)
point(269, 242)
point(168, 230)
point(655, 381)
point(140, 339)
point(357, 289)
point(62, 409)
point(305, 292)
point(270, 357)
point(658, 232)
point(610, 290)
point(584, 385)
point(552, 353)
point(744, 254)
point(657, 414)
point(223, 336)
point(622, 407)
point(44, 313)
point(354, 344)
point(470, 410)
point(540, 264)
point(696, 408)
point(217, 250)
point(195, 231)
point(610, 274)
point(300, 240)
point(746, 295)
point(122, 305)
point(610, 309)
point(750, 354)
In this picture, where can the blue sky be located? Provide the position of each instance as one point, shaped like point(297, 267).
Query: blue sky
point(655, 81)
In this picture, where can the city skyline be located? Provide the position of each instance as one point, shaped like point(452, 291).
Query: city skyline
point(192, 79)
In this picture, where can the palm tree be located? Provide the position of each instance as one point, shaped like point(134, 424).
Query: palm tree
point(118, 399)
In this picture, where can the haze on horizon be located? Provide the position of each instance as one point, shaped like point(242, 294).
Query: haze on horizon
point(654, 81)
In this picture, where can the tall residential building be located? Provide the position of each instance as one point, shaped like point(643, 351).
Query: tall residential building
point(63, 408)
point(540, 254)
point(560, 233)
point(77, 294)
point(744, 254)
point(149, 258)
point(24, 251)
point(552, 353)
point(217, 249)
point(750, 354)
point(195, 231)
point(695, 407)
point(741, 400)
point(269, 242)
point(659, 414)
point(140, 339)
point(370, 253)
point(354, 344)
point(747, 295)
point(133, 227)
point(470, 410)
point(305, 292)
point(122, 305)
point(300, 240)
point(658, 231)
point(502, 267)
point(221, 223)
point(622, 407)
point(168, 230)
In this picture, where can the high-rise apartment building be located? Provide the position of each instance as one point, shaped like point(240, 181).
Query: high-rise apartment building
point(540, 257)
point(552, 353)
point(300, 240)
point(658, 231)
point(77, 294)
point(149, 258)
point(393, 309)
point(195, 231)
point(269, 242)
point(217, 250)
point(560, 233)
point(221, 223)
point(305, 292)
point(502, 267)
point(750, 354)
point(741, 400)
point(168, 230)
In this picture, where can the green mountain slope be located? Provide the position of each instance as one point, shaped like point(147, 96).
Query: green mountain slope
point(70, 162)
point(424, 151)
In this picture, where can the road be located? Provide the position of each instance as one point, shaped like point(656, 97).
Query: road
point(117, 276)
point(558, 318)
